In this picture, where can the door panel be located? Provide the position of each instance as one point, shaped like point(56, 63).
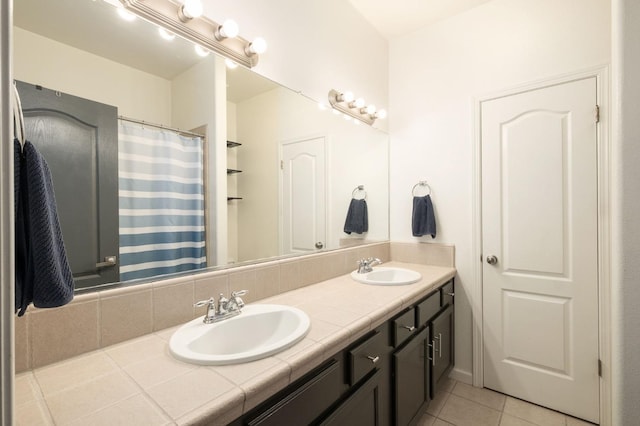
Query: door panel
point(539, 219)
point(303, 196)
point(78, 138)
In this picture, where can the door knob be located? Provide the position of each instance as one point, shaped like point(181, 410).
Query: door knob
point(319, 245)
point(492, 260)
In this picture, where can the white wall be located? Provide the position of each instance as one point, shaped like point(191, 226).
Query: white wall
point(435, 74)
point(199, 99)
point(39, 60)
point(314, 45)
point(625, 360)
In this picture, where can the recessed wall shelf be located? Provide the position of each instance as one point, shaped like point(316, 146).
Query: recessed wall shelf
point(233, 198)
point(232, 171)
point(231, 144)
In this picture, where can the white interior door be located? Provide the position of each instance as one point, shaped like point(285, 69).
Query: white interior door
point(303, 196)
point(539, 223)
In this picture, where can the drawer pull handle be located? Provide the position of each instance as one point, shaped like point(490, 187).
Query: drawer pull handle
point(408, 327)
point(373, 359)
point(439, 345)
point(433, 352)
point(452, 294)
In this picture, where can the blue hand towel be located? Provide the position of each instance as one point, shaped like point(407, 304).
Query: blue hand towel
point(423, 220)
point(357, 217)
point(47, 280)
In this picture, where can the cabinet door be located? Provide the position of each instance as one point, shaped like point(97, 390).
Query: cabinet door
point(411, 378)
point(361, 408)
point(442, 341)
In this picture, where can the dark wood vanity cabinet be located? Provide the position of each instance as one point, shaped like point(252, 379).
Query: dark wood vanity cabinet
point(387, 377)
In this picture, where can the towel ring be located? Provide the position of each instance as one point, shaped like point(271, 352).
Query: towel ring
point(421, 183)
point(356, 190)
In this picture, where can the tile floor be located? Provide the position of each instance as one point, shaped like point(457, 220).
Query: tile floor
point(460, 404)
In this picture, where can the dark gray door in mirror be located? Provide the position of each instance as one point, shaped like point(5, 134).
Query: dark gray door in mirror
point(79, 140)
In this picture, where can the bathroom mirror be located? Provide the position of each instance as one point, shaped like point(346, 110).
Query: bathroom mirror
point(279, 170)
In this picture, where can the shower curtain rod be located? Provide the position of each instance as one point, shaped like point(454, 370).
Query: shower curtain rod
point(160, 126)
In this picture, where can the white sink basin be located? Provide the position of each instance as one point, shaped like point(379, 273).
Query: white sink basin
point(258, 332)
point(387, 276)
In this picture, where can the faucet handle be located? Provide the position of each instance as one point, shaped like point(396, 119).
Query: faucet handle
point(239, 293)
point(210, 301)
point(235, 295)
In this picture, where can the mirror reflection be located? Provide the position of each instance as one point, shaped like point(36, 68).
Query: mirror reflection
point(165, 160)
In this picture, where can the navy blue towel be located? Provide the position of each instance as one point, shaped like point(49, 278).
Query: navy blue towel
point(357, 217)
point(423, 220)
point(43, 275)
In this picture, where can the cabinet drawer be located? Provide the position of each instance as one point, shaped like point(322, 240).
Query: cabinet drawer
point(403, 327)
point(428, 308)
point(308, 401)
point(366, 356)
point(447, 294)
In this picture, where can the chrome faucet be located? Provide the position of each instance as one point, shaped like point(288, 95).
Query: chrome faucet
point(366, 265)
point(226, 308)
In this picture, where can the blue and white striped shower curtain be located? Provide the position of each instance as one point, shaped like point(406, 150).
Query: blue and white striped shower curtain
point(161, 195)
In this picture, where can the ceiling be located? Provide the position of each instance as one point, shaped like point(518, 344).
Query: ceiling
point(399, 17)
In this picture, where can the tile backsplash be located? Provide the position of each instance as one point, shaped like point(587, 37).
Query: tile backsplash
point(96, 320)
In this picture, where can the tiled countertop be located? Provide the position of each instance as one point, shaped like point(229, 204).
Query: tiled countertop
point(139, 382)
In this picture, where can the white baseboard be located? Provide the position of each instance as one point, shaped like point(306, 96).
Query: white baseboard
point(461, 376)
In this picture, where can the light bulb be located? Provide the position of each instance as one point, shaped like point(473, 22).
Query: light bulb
point(165, 34)
point(201, 51)
point(359, 103)
point(231, 64)
point(191, 9)
point(229, 29)
point(125, 14)
point(347, 96)
point(371, 109)
point(257, 46)
point(381, 114)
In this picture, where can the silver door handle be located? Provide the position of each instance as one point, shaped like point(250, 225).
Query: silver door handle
point(408, 327)
point(108, 262)
point(492, 260)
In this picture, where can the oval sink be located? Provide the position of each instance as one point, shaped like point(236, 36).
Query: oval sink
point(258, 332)
point(387, 276)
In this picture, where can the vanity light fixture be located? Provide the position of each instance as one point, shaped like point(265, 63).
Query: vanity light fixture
point(257, 47)
point(346, 103)
point(167, 35)
point(190, 9)
point(228, 29)
point(201, 51)
point(126, 15)
point(184, 18)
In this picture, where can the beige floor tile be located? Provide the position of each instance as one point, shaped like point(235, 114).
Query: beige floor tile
point(462, 412)
point(33, 413)
point(157, 370)
point(136, 410)
point(447, 385)
point(533, 413)
point(67, 374)
point(440, 422)
point(435, 406)
point(83, 400)
point(186, 393)
point(482, 396)
point(509, 420)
